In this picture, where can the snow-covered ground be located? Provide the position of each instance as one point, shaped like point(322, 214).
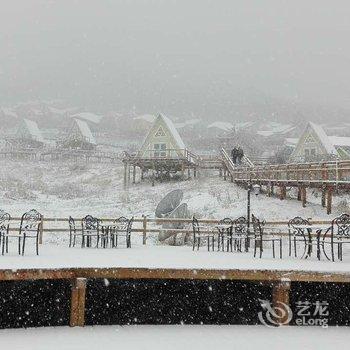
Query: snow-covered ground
point(176, 337)
point(160, 256)
point(59, 189)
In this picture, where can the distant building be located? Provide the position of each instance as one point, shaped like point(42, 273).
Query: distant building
point(142, 123)
point(79, 136)
point(88, 117)
point(163, 140)
point(29, 135)
point(314, 145)
point(219, 128)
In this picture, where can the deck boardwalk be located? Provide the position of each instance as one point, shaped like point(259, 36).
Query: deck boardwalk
point(160, 166)
point(325, 176)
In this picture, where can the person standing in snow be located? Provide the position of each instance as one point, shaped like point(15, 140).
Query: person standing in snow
point(234, 155)
point(240, 155)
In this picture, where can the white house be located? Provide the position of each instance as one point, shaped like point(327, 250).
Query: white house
point(29, 134)
point(314, 144)
point(80, 136)
point(163, 140)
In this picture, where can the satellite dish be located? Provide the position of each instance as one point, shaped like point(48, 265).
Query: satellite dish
point(168, 204)
point(180, 212)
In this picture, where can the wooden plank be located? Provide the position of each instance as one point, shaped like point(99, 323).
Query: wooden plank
point(173, 273)
point(77, 315)
point(35, 274)
point(280, 301)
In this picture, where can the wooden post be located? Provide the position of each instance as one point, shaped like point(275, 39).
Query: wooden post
point(303, 196)
point(41, 229)
point(144, 228)
point(129, 174)
point(134, 174)
point(77, 307)
point(283, 192)
point(268, 189)
point(194, 172)
point(225, 174)
point(220, 172)
point(299, 194)
point(280, 300)
point(125, 175)
point(329, 200)
point(323, 198)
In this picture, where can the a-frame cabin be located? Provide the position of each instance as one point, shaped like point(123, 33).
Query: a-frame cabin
point(162, 154)
point(162, 141)
point(79, 136)
point(314, 145)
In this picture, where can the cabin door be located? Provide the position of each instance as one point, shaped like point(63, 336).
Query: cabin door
point(159, 150)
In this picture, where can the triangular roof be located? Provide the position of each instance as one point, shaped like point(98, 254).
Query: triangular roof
point(325, 140)
point(171, 131)
point(33, 130)
point(85, 131)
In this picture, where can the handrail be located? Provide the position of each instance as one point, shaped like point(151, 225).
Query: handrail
point(169, 153)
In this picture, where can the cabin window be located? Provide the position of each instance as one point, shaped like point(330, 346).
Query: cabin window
point(159, 150)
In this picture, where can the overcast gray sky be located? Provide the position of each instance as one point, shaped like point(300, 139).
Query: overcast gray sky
point(180, 56)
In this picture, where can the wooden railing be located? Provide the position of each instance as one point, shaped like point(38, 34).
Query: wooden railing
point(169, 153)
point(335, 172)
point(145, 226)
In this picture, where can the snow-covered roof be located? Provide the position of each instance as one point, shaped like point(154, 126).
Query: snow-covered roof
point(226, 126)
point(62, 111)
point(274, 128)
point(325, 140)
point(146, 117)
point(87, 116)
point(173, 131)
point(33, 130)
point(189, 122)
point(85, 131)
point(339, 141)
point(291, 141)
point(9, 112)
point(243, 125)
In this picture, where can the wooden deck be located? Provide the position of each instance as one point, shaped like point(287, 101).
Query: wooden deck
point(325, 176)
point(281, 281)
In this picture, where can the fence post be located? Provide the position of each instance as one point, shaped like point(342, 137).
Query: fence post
point(144, 227)
point(77, 307)
point(280, 301)
point(41, 229)
point(329, 200)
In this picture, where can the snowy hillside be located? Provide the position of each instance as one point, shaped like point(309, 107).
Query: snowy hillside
point(62, 189)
